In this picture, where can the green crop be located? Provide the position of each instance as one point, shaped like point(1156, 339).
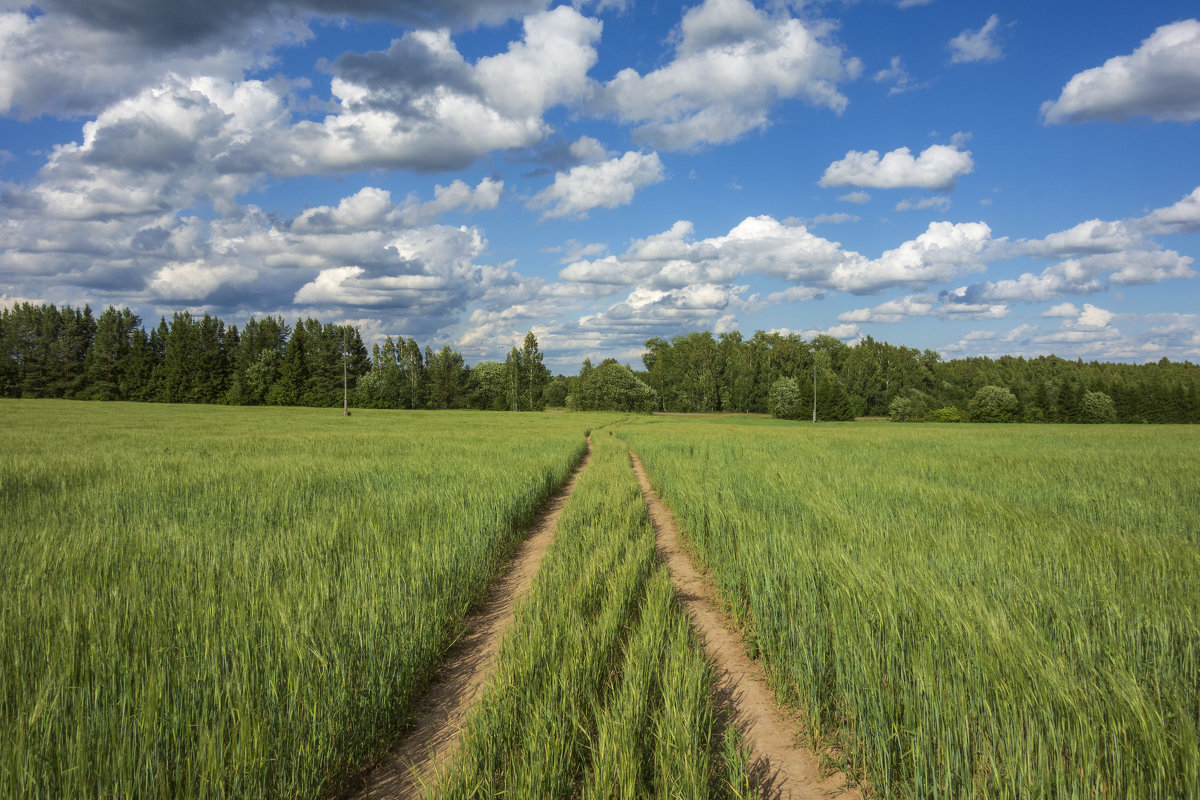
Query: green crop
point(602, 690)
point(232, 602)
point(960, 611)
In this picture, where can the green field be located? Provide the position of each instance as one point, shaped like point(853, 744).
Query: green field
point(961, 610)
point(627, 713)
point(205, 601)
point(246, 602)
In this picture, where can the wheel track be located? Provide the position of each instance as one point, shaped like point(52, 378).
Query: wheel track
point(787, 771)
point(433, 740)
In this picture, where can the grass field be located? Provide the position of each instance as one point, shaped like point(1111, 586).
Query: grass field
point(241, 602)
point(244, 602)
point(626, 710)
point(962, 611)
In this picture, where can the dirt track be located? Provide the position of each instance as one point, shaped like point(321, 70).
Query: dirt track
point(788, 771)
point(434, 737)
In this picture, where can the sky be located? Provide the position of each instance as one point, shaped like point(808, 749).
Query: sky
point(978, 179)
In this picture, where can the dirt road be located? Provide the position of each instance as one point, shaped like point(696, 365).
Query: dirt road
point(434, 737)
point(788, 771)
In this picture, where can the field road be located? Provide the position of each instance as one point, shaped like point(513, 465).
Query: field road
point(788, 771)
point(434, 738)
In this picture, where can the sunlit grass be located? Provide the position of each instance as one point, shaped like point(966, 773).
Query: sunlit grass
point(602, 690)
point(229, 602)
point(963, 611)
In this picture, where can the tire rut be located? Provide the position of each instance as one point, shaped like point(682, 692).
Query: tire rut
point(434, 738)
point(787, 771)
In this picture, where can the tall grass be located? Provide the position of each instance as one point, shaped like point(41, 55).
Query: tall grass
point(215, 602)
point(963, 611)
point(602, 689)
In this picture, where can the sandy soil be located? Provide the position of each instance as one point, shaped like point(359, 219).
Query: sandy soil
point(788, 771)
point(433, 740)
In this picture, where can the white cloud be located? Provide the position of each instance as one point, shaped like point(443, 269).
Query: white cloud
point(457, 116)
point(693, 307)
point(912, 3)
point(587, 150)
point(372, 208)
point(897, 74)
point(57, 64)
point(607, 184)
point(764, 246)
point(1062, 310)
point(941, 252)
point(1087, 275)
point(1160, 80)
point(1094, 317)
point(732, 63)
point(856, 197)
point(1093, 236)
point(980, 45)
point(937, 168)
point(831, 219)
point(940, 202)
point(1182, 217)
point(925, 305)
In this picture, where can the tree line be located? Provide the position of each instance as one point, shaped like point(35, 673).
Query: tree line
point(775, 373)
point(69, 353)
point(51, 352)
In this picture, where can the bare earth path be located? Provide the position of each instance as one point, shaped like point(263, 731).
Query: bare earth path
point(790, 772)
point(434, 737)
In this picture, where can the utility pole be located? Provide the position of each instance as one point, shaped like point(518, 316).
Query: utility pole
point(814, 387)
point(345, 378)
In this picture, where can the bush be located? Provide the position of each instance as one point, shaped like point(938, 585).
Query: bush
point(1097, 407)
point(909, 407)
point(784, 400)
point(947, 414)
point(993, 404)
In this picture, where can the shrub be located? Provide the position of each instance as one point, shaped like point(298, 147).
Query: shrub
point(993, 404)
point(784, 401)
point(1097, 407)
point(946, 414)
point(909, 407)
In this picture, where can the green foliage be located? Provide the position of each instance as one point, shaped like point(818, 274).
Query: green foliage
point(612, 386)
point(1097, 407)
point(961, 613)
point(222, 602)
point(786, 401)
point(602, 690)
point(993, 404)
point(945, 414)
point(909, 407)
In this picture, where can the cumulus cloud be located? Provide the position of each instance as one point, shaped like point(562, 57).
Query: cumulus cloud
point(855, 197)
point(371, 208)
point(1062, 310)
point(764, 246)
point(925, 305)
point(940, 202)
point(646, 310)
point(937, 168)
point(62, 65)
point(606, 184)
point(1159, 80)
point(445, 113)
point(980, 45)
point(1087, 275)
point(365, 251)
point(1182, 217)
point(168, 25)
point(732, 63)
point(897, 75)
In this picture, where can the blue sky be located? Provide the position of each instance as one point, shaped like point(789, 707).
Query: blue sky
point(1019, 178)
